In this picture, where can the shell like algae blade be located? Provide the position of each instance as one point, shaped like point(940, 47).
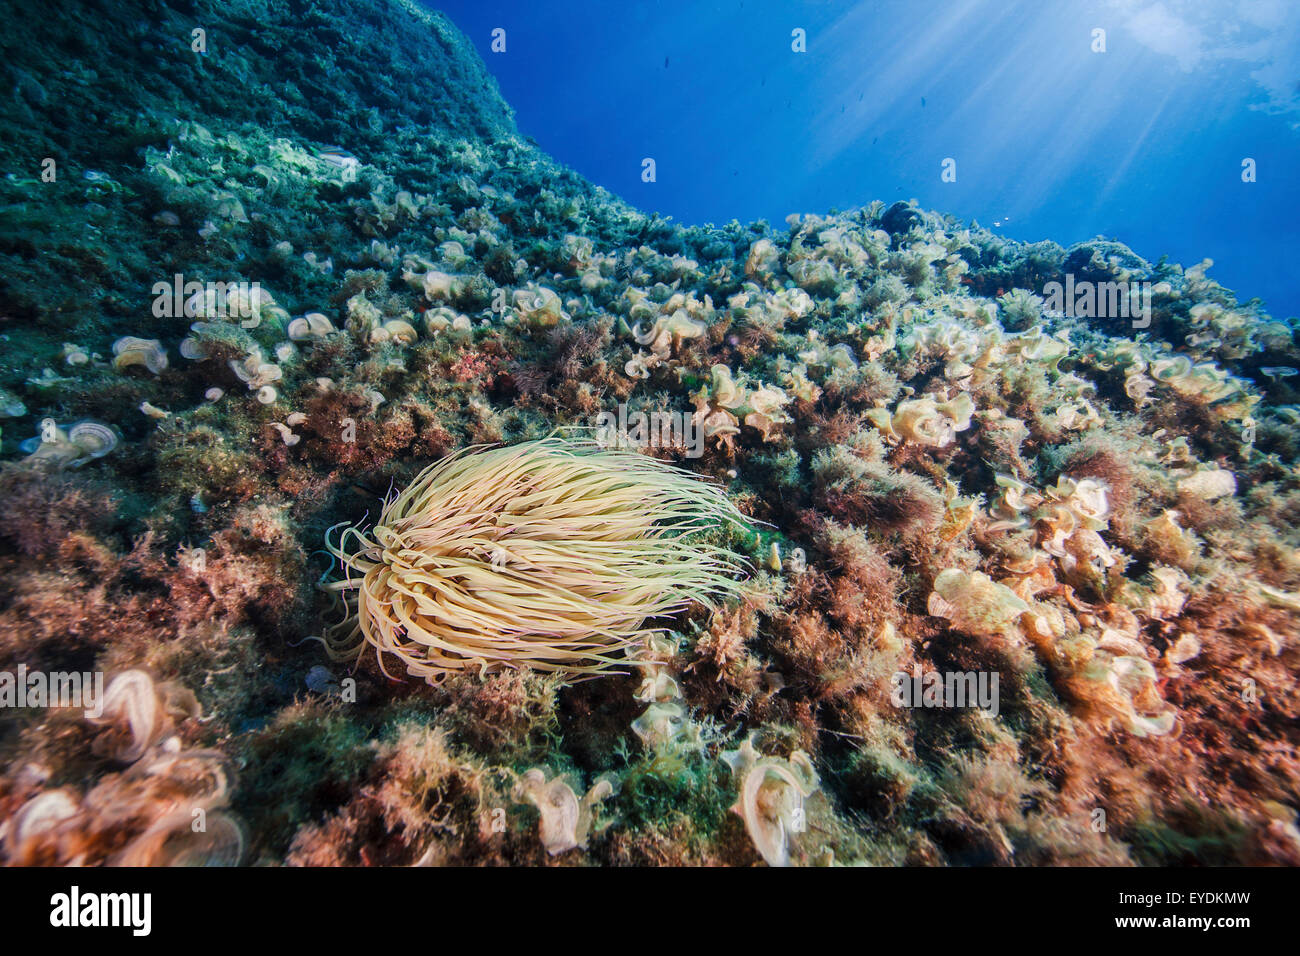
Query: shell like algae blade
point(550, 555)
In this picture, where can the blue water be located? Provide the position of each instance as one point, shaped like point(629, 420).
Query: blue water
point(1143, 143)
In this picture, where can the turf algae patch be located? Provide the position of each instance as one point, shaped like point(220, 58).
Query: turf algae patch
point(328, 262)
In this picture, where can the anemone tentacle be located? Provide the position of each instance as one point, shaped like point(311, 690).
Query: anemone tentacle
point(550, 555)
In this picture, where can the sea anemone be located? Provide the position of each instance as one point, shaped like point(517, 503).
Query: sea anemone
point(550, 555)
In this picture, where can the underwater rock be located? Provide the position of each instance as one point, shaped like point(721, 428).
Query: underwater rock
point(901, 218)
point(907, 458)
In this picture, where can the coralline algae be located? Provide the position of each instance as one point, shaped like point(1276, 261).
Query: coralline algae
point(949, 465)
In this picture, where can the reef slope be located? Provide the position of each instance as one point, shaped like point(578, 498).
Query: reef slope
point(949, 474)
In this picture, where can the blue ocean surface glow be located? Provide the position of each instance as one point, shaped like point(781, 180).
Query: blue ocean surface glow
point(1141, 137)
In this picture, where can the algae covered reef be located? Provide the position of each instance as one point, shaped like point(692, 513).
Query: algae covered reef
point(863, 538)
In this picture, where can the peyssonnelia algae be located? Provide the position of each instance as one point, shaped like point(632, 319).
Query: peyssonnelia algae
point(550, 555)
point(70, 446)
point(772, 792)
point(566, 819)
point(166, 806)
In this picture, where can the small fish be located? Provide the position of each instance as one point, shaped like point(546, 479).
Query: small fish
point(338, 156)
point(665, 63)
point(1277, 371)
point(923, 102)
